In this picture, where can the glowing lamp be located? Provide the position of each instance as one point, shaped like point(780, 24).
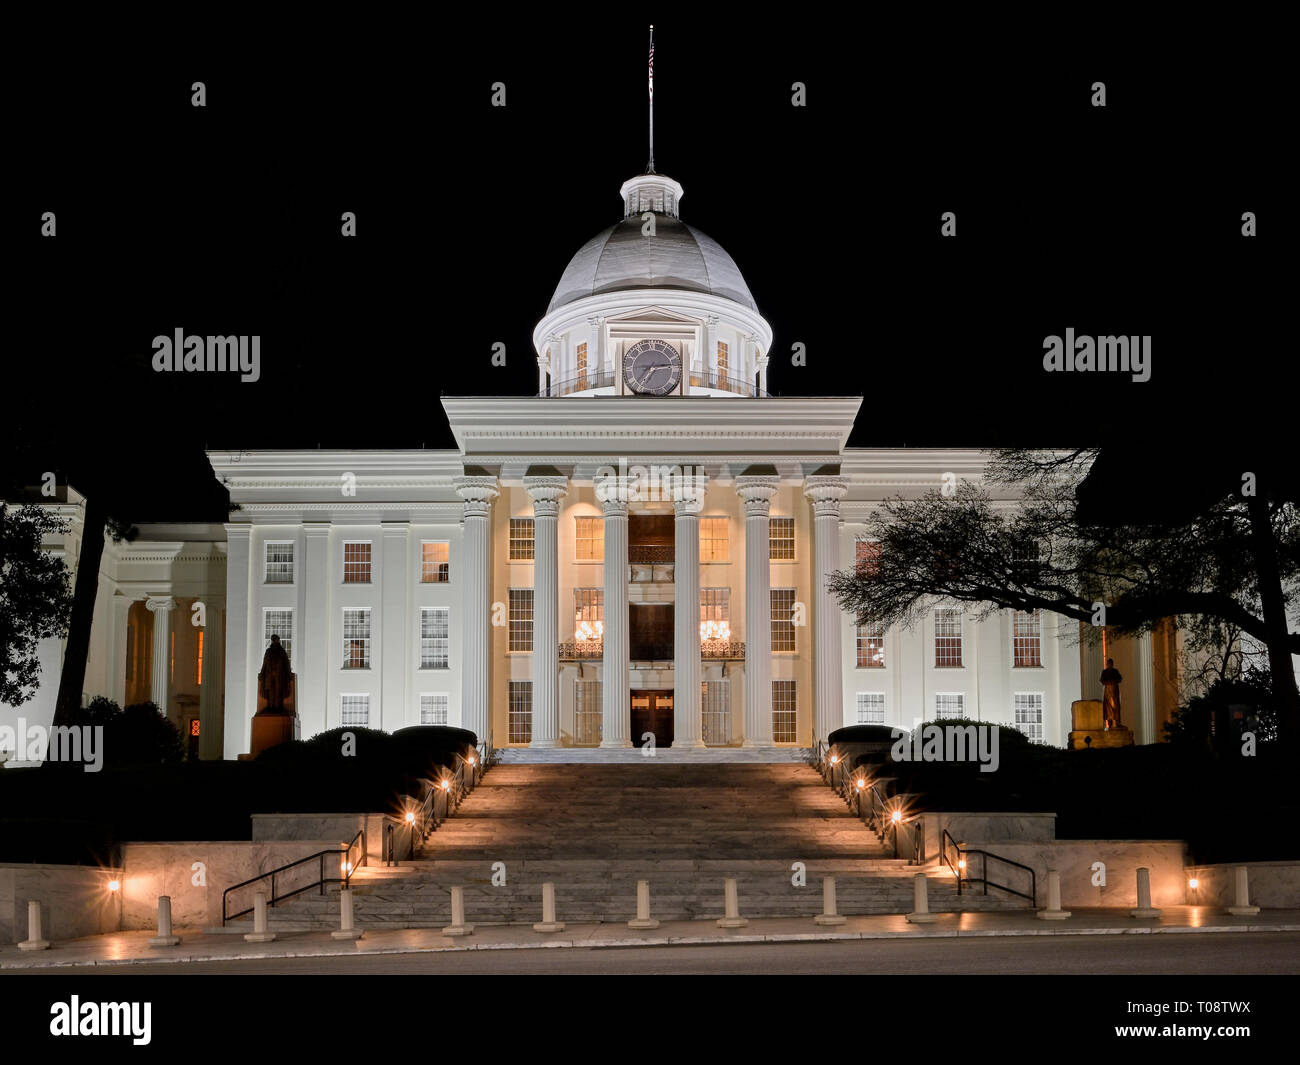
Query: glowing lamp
point(446, 784)
point(896, 816)
point(410, 817)
point(1193, 883)
point(115, 885)
point(961, 863)
point(861, 783)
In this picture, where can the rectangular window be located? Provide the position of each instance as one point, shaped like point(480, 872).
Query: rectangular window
point(521, 539)
point(521, 711)
point(582, 367)
point(435, 626)
point(715, 606)
point(355, 711)
point(713, 540)
point(949, 704)
point(871, 708)
point(947, 639)
point(589, 539)
point(724, 355)
point(356, 563)
point(278, 623)
point(1028, 707)
point(198, 661)
point(784, 716)
point(587, 731)
point(782, 619)
point(1026, 639)
point(867, 557)
point(715, 704)
point(433, 708)
point(356, 639)
point(588, 613)
point(279, 562)
point(871, 646)
point(780, 538)
point(435, 562)
point(521, 619)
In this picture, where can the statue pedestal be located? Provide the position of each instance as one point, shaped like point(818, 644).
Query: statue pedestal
point(273, 727)
point(1089, 724)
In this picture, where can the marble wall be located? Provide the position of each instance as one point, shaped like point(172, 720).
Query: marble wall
point(1074, 859)
point(195, 875)
point(341, 827)
point(1273, 885)
point(75, 900)
point(1018, 827)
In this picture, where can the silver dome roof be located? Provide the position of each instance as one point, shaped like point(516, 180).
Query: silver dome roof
point(678, 256)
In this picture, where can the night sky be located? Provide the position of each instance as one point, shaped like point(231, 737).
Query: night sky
point(225, 220)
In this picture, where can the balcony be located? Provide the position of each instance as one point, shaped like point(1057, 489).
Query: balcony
point(650, 563)
point(710, 650)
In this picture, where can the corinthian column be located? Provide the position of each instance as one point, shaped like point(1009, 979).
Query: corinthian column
point(616, 706)
point(475, 687)
point(757, 494)
point(159, 689)
point(828, 684)
point(211, 718)
point(688, 502)
point(546, 493)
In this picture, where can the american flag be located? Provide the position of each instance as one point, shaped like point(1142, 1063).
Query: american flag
point(652, 63)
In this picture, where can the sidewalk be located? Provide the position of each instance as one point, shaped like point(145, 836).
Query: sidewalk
point(120, 948)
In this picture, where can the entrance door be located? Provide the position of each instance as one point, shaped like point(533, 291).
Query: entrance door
point(652, 711)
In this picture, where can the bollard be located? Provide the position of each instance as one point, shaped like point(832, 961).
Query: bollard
point(259, 934)
point(920, 901)
point(1053, 911)
point(731, 917)
point(347, 928)
point(458, 927)
point(1144, 907)
point(548, 923)
point(643, 918)
point(829, 914)
point(34, 940)
point(164, 938)
point(1241, 890)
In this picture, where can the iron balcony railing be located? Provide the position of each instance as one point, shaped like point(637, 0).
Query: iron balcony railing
point(593, 379)
point(711, 650)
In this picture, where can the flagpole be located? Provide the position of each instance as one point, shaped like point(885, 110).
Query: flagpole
point(651, 169)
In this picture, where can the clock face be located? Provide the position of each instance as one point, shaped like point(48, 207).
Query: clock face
point(652, 367)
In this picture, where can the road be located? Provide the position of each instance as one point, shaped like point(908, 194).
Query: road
point(1178, 954)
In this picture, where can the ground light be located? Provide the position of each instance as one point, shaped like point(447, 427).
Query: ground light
point(115, 885)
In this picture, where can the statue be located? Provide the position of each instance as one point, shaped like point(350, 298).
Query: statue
point(274, 682)
point(1110, 681)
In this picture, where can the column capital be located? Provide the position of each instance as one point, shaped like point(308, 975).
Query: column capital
point(546, 493)
point(477, 492)
point(825, 494)
point(689, 506)
point(612, 493)
point(757, 492)
point(614, 507)
point(160, 603)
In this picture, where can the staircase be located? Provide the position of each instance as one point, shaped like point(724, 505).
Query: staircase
point(594, 830)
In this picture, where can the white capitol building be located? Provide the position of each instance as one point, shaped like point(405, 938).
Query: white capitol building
point(641, 548)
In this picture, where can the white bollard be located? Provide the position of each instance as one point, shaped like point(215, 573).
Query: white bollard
point(829, 914)
point(164, 938)
point(1144, 907)
point(347, 927)
point(259, 934)
point(458, 927)
point(1241, 906)
point(920, 901)
point(1053, 911)
point(34, 940)
point(548, 923)
point(643, 918)
point(731, 897)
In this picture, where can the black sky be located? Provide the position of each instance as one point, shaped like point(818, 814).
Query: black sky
point(226, 220)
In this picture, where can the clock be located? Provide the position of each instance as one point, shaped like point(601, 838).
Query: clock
point(652, 368)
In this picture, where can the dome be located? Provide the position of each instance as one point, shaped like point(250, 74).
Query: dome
point(678, 256)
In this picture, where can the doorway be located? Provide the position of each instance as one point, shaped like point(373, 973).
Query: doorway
point(652, 711)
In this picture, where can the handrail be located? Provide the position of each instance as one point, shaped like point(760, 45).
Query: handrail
point(347, 868)
point(983, 878)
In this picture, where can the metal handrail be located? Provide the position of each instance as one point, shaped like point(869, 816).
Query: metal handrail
point(983, 878)
point(347, 869)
